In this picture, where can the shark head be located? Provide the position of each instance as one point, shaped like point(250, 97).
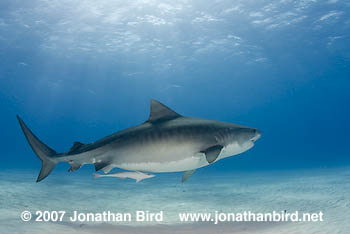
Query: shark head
point(246, 137)
point(238, 139)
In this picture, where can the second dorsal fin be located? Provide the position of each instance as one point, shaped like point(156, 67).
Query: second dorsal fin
point(75, 146)
point(160, 112)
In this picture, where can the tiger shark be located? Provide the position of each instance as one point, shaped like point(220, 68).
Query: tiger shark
point(166, 142)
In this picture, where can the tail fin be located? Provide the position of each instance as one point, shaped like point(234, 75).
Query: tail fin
point(44, 152)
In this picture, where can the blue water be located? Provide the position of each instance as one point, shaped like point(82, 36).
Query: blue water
point(80, 70)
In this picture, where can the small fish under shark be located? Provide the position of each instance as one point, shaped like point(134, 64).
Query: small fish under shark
point(136, 175)
point(166, 142)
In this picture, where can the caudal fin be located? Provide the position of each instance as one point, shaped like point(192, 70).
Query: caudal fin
point(44, 152)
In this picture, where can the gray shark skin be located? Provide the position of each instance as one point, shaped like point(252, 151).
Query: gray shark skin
point(166, 142)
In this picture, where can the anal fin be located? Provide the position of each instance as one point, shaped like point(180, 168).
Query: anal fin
point(74, 166)
point(187, 174)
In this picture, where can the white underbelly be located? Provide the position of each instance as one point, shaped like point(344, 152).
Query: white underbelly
point(189, 163)
point(172, 158)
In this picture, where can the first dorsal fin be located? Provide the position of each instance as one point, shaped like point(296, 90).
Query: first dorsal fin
point(76, 146)
point(160, 112)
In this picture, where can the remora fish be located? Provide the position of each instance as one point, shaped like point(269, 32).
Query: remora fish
point(136, 175)
point(166, 142)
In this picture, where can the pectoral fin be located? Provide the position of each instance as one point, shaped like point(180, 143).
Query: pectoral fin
point(212, 153)
point(187, 174)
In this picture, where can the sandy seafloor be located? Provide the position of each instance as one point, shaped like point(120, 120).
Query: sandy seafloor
point(314, 190)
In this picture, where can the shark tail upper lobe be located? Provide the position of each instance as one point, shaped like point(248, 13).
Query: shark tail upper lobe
point(44, 152)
